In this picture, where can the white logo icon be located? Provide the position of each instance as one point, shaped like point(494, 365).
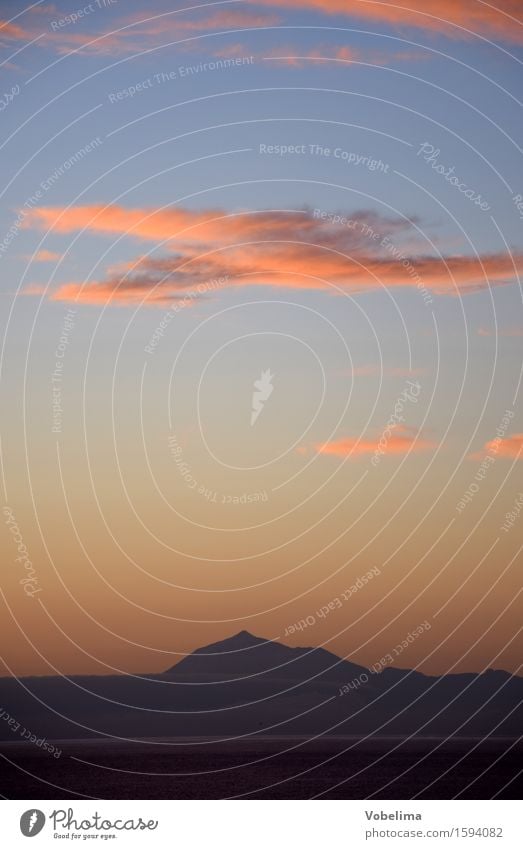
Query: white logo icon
point(263, 390)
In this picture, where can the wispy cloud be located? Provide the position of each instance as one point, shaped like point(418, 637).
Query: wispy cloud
point(12, 32)
point(269, 248)
point(462, 19)
point(128, 35)
point(33, 289)
point(124, 35)
point(500, 331)
point(44, 256)
point(400, 442)
point(508, 446)
point(297, 56)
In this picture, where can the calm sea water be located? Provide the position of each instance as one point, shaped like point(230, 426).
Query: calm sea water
point(275, 768)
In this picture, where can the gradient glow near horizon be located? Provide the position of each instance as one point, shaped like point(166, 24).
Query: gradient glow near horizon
point(262, 330)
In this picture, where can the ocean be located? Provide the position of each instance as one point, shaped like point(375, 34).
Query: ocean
point(265, 768)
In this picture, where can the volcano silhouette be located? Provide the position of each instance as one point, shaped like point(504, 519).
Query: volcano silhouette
point(247, 685)
point(245, 655)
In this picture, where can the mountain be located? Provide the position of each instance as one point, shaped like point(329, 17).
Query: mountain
point(248, 685)
point(245, 655)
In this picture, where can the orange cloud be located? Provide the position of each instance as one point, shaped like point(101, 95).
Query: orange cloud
point(33, 289)
point(324, 54)
point(456, 18)
point(142, 223)
point(509, 446)
point(501, 331)
point(227, 19)
point(45, 256)
point(397, 443)
point(96, 293)
point(135, 37)
point(129, 35)
point(298, 250)
point(296, 56)
point(12, 31)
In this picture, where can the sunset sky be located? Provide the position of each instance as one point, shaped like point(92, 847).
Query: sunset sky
point(324, 197)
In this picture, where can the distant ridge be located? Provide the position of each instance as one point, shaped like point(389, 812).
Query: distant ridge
point(245, 685)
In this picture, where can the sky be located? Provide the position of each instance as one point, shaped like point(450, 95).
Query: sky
point(261, 329)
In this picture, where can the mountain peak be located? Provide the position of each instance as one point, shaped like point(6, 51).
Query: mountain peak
point(227, 651)
point(246, 655)
point(245, 635)
point(238, 642)
point(240, 653)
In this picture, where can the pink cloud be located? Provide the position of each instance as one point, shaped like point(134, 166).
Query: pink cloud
point(45, 256)
point(33, 289)
point(501, 331)
point(509, 446)
point(295, 250)
point(401, 441)
point(454, 18)
point(297, 56)
point(323, 55)
point(133, 34)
